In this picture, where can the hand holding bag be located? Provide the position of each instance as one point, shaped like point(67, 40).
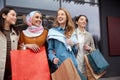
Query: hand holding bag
point(27, 65)
point(89, 71)
point(66, 71)
point(97, 61)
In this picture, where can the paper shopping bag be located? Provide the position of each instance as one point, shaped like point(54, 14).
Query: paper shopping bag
point(27, 65)
point(97, 61)
point(89, 70)
point(66, 71)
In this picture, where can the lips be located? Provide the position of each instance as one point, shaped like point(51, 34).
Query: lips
point(38, 22)
point(13, 21)
point(60, 19)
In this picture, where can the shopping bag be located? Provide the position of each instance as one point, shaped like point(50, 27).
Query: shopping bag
point(27, 65)
point(89, 71)
point(97, 61)
point(66, 71)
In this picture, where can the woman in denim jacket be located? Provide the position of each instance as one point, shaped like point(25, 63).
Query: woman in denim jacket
point(61, 41)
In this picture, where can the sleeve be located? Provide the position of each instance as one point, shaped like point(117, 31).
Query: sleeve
point(20, 42)
point(75, 49)
point(51, 51)
point(92, 44)
point(75, 41)
point(74, 38)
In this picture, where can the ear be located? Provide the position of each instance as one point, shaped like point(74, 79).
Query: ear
point(3, 15)
point(76, 22)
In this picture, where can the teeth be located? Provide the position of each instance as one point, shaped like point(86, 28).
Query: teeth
point(60, 19)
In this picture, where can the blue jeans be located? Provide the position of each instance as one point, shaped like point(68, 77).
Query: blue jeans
point(81, 75)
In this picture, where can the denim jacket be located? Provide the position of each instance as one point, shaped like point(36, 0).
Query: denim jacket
point(58, 48)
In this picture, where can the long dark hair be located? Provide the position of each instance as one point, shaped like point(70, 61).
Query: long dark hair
point(5, 11)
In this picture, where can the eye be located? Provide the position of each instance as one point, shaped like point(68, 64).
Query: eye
point(38, 17)
point(62, 14)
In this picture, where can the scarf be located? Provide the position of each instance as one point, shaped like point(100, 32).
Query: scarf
point(53, 34)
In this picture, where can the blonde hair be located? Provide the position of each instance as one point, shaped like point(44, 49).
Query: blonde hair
point(69, 24)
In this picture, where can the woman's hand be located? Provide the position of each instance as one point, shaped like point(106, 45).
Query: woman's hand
point(69, 42)
point(55, 60)
point(87, 47)
point(34, 47)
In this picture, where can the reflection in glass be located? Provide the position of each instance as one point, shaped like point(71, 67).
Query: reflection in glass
point(91, 10)
point(35, 4)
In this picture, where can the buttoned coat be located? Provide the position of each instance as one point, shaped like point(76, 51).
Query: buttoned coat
point(88, 39)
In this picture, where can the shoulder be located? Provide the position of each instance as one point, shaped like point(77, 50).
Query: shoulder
point(53, 29)
point(45, 28)
point(14, 33)
point(88, 33)
point(1, 32)
point(21, 33)
point(75, 31)
point(45, 31)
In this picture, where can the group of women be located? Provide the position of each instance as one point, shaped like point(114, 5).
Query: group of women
point(60, 40)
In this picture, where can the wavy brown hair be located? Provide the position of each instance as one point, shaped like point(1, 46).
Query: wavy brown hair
point(69, 24)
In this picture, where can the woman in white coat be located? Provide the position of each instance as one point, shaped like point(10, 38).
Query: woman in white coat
point(85, 40)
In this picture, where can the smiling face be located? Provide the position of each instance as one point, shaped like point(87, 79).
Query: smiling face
point(10, 18)
point(37, 19)
point(82, 22)
point(61, 17)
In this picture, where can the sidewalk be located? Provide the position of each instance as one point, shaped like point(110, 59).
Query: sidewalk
point(110, 78)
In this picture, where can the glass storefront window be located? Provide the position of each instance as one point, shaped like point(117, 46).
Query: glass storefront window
point(91, 10)
point(34, 4)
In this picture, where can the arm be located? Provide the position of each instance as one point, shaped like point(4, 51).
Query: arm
point(51, 51)
point(91, 45)
point(74, 43)
point(20, 42)
point(23, 45)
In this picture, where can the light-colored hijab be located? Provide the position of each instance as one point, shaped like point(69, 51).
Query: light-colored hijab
point(32, 31)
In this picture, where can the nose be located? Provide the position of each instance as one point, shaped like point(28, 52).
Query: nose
point(84, 21)
point(60, 15)
point(40, 19)
point(15, 17)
